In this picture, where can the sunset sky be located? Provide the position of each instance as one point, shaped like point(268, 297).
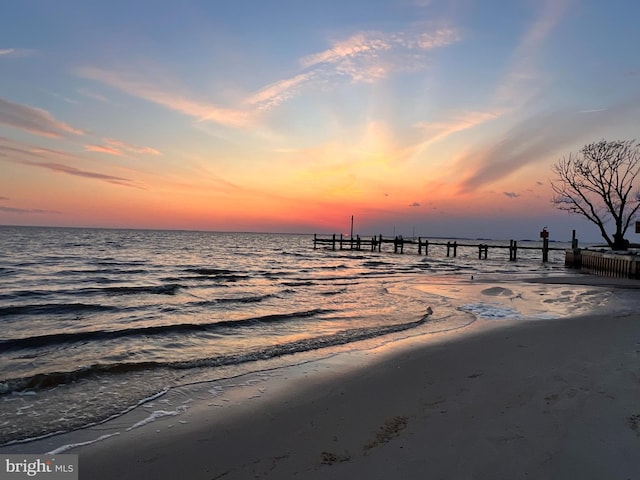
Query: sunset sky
point(439, 117)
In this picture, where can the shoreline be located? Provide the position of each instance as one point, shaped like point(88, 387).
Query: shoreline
point(500, 399)
point(505, 402)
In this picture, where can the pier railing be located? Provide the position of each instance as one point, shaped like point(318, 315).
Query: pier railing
point(339, 242)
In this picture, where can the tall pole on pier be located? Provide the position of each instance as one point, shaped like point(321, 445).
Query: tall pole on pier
point(351, 235)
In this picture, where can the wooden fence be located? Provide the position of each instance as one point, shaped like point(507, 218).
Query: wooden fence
point(604, 264)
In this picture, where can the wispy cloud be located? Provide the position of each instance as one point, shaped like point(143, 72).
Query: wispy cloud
point(457, 122)
point(15, 52)
point(359, 45)
point(28, 210)
point(537, 138)
point(61, 168)
point(592, 110)
point(103, 149)
point(278, 92)
point(511, 194)
point(370, 56)
point(120, 148)
point(200, 110)
point(129, 147)
point(93, 95)
point(34, 120)
point(523, 80)
point(65, 99)
point(363, 57)
point(24, 154)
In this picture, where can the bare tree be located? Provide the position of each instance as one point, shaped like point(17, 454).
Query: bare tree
point(597, 183)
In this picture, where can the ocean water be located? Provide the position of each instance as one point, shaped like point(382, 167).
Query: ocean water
point(95, 322)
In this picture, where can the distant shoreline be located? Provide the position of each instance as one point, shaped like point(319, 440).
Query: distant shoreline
point(595, 243)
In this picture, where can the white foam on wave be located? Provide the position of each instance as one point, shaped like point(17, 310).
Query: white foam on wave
point(158, 414)
point(500, 311)
point(491, 311)
point(28, 393)
point(69, 446)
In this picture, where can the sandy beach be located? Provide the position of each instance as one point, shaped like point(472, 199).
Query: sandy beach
point(503, 400)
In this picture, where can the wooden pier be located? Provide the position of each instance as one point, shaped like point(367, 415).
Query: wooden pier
point(339, 242)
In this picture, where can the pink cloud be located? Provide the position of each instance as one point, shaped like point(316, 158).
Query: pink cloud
point(276, 93)
point(120, 148)
point(103, 149)
point(118, 144)
point(61, 168)
point(20, 153)
point(359, 44)
point(34, 120)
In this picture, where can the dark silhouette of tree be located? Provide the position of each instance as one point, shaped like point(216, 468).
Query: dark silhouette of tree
point(598, 183)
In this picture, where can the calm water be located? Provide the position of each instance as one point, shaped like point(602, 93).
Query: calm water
point(95, 321)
